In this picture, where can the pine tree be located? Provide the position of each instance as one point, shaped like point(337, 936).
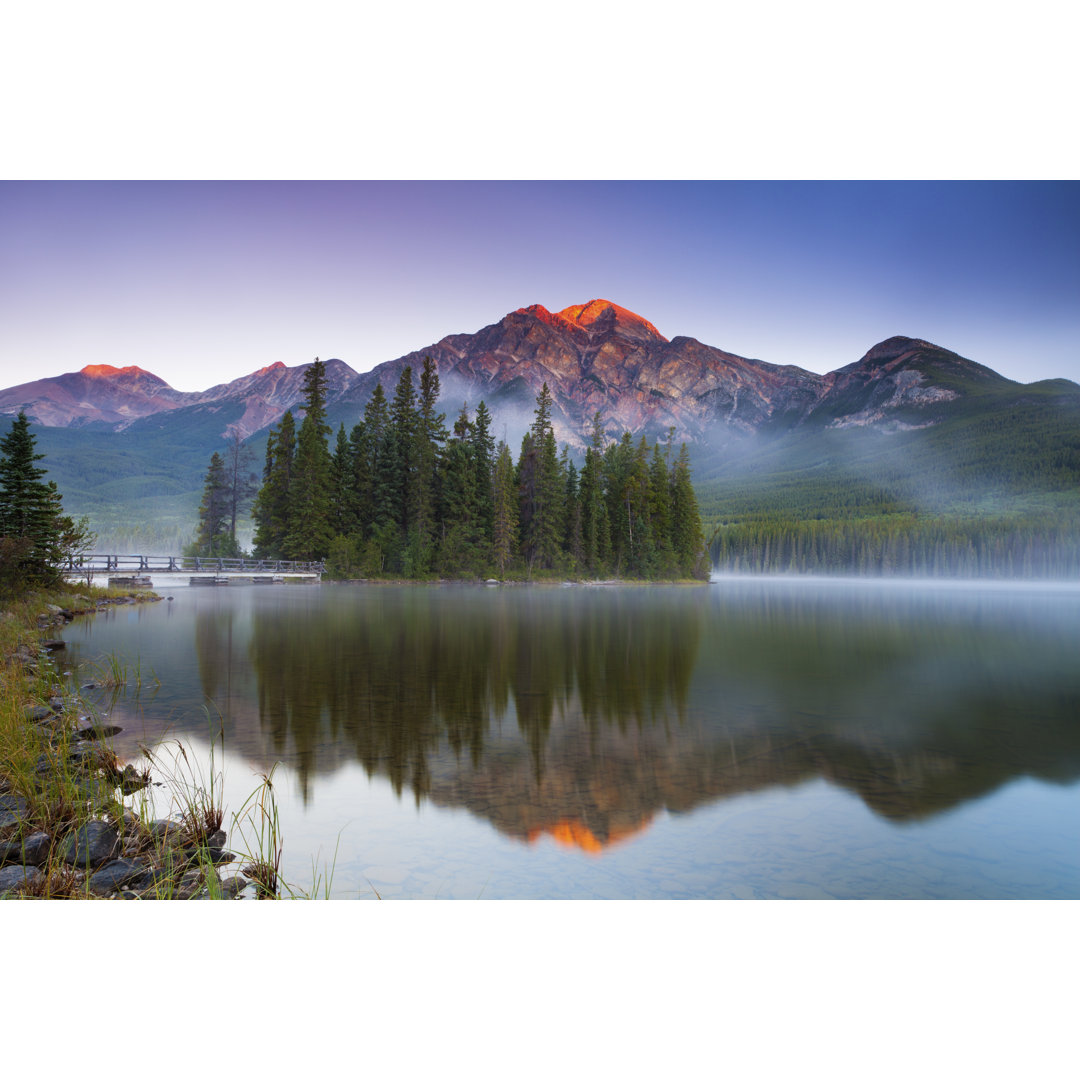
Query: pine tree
point(214, 538)
point(483, 454)
point(241, 480)
point(271, 509)
point(403, 465)
point(504, 508)
point(595, 530)
point(460, 533)
point(310, 528)
point(35, 536)
point(430, 434)
point(687, 539)
point(541, 488)
point(343, 516)
point(381, 459)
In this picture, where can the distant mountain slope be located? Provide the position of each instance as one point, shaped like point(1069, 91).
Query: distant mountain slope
point(908, 418)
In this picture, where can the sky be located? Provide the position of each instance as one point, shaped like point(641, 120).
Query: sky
point(202, 282)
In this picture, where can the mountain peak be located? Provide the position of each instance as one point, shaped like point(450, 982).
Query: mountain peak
point(607, 315)
point(106, 371)
point(896, 346)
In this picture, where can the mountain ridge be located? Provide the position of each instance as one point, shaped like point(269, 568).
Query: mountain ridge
point(595, 357)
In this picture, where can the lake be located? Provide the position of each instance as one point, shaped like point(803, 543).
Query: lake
point(753, 738)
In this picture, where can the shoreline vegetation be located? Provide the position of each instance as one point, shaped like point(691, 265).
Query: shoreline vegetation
point(74, 822)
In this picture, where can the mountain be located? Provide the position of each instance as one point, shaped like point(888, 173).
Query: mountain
point(595, 357)
point(97, 394)
point(120, 397)
point(907, 418)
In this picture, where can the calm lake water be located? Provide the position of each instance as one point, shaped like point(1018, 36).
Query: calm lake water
point(756, 738)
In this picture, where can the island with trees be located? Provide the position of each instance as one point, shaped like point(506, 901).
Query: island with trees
point(401, 496)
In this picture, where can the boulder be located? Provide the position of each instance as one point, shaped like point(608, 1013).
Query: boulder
point(15, 877)
point(91, 845)
point(13, 810)
point(115, 875)
point(32, 851)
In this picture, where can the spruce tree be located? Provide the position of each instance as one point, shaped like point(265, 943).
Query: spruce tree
point(241, 481)
point(431, 434)
point(541, 488)
point(380, 459)
point(310, 527)
point(483, 454)
point(687, 539)
point(214, 538)
point(271, 511)
point(504, 509)
point(32, 524)
point(403, 466)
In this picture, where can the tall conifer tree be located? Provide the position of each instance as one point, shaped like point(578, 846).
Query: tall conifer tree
point(310, 492)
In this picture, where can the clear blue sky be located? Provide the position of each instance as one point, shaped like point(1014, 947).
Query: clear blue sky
point(202, 282)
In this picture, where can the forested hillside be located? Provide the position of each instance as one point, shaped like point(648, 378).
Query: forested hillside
point(993, 490)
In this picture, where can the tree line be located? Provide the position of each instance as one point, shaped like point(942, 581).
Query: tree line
point(1036, 545)
point(403, 496)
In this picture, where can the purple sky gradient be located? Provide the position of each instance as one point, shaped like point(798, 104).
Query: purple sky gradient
point(202, 282)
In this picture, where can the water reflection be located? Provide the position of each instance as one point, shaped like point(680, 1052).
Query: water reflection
point(581, 714)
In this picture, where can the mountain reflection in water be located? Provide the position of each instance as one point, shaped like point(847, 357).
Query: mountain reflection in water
point(581, 714)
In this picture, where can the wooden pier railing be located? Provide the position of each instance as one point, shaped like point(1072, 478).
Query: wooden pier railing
point(182, 564)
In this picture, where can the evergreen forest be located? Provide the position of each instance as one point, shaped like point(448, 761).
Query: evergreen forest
point(403, 496)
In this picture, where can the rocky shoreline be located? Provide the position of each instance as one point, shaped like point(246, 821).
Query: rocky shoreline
point(64, 830)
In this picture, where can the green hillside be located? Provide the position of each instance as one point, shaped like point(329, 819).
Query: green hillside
point(140, 487)
point(992, 489)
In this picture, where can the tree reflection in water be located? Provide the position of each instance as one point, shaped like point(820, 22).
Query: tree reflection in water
point(580, 714)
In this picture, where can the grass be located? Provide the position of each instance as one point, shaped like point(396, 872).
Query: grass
point(62, 792)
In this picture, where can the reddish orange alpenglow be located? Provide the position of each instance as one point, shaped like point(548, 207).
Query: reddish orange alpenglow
point(569, 833)
point(100, 371)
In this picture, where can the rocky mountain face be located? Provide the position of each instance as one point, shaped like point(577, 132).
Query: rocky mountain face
point(599, 357)
point(595, 357)
point(117, 397)
point(97, 394)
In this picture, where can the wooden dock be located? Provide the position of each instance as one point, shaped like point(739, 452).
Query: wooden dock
point(134, 570)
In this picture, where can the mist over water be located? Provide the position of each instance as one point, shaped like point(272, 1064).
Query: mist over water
point(750, 738)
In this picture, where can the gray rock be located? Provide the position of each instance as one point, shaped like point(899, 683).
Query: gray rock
point(87, 729)
point(115, 875)
point(214, 856)
point(131, 780)
point(14, 877)
point(166, 829)
point(232, 887)
point(39, 712)
point(88, 755)
point(54, 644)
point(188, 885)
point(91, 845)
point(216, 840)
point(33, 851)
point(13, 810)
